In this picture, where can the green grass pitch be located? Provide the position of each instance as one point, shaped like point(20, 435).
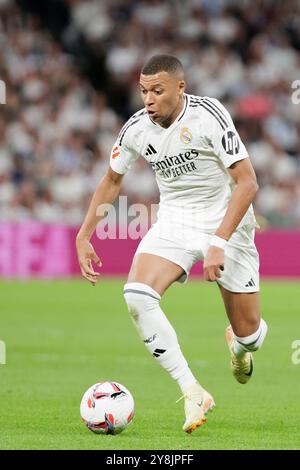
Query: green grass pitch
point(63, 336)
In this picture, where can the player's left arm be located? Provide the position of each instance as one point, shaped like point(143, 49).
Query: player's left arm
point(245, 190)
point(243, 174)
point(233, 155)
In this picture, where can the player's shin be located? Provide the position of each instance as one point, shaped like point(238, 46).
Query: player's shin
point(156, 331)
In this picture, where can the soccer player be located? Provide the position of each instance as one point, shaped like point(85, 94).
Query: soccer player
point(207, 185)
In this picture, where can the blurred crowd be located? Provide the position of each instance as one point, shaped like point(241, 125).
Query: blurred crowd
point(72, 82)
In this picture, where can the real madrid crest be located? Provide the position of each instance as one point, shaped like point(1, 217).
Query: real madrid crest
point(185, 136)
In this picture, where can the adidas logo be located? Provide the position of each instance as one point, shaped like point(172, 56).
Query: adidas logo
point(158, 352)
point(251, 283)
point(150, 150)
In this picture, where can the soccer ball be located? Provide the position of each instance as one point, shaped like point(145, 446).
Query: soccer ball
point(107, 408)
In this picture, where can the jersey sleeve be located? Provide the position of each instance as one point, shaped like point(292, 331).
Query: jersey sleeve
point(124, 153)
point(223, 135)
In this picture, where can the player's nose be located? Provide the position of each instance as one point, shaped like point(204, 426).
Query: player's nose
point(148, 99)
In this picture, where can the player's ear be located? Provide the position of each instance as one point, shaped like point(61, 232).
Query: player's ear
point(181, 87)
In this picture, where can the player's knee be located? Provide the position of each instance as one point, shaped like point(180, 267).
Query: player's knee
point(140, 298)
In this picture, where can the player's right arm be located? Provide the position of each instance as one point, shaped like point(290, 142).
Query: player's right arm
point(122, 155)
point(106, 193)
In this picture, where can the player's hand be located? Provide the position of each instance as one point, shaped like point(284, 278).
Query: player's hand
point(86, 254)
point(213, 263)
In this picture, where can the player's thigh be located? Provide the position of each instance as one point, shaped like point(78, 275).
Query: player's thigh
point(243, 311)
point(155, 271)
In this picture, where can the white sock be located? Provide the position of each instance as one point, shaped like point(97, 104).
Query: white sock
point(156, 331)
point(250, 343)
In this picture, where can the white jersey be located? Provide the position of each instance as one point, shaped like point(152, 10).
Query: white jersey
point(189, 159)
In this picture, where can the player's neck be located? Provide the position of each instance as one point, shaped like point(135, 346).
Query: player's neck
point(177, 111)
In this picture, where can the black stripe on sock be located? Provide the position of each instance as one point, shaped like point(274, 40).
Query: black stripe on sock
point(250, 344)
point(135, 291)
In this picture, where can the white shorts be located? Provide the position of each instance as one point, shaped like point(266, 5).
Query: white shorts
point(241, 267)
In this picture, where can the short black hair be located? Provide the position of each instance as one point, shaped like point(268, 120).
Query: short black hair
point(162, 63)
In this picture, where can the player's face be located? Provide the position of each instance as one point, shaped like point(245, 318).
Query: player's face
point(162, 95)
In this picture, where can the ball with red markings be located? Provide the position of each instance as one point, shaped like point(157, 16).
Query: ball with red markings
point(107, 408)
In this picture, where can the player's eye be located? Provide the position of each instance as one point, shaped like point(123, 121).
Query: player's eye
point(158, 92)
